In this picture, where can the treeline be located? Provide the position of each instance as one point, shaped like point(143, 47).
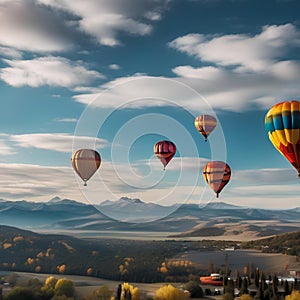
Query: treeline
point(116, 259)
point(65, 289)
point(288, 243)
point(124, 260)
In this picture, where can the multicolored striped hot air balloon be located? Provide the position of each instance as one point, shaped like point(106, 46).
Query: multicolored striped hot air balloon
point(217, 174)
point(86, 162)
point(205, 124)
point(164, 150)
point(283, 125)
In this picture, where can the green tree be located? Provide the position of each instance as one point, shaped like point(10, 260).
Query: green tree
point(229, 287)
point(194, 288)
point(211, 267)
point(286, 288)
point(256, 277)
point(119, 291)
point(244, 286)
point(20, 293)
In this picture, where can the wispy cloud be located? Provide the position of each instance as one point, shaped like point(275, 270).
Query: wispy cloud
point(47, 26)
point(10, 52)
point(41, 183)
point(105, 20)
point(244, 52)
point(5, 147)
point(217, 87)
point(61, 142)
point(52, 71)
point(67, 120)
point(25, 181)
point(114, 67)
point(28, 26)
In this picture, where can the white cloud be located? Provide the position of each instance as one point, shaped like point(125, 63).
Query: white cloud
point(218, 88)
point(104, 20)
point(5, 147)
point(35, 182)
point(67, 120)
point(204, 73)
point(114, 67)
point(10, 52)
point(256, 53)
point(41, 183)
point(266, 176)
point(60, 142)
point(52, 71)
point(25, 25)
point(46, 26)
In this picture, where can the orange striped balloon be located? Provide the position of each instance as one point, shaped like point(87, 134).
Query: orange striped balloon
point(217, 174)
point(86, 162)
point(205, 124)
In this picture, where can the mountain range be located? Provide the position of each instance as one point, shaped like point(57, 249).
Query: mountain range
point(216, 219)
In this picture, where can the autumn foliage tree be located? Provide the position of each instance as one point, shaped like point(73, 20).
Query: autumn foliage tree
point(169, 292)
point(102, 293)
point(128, 292)
point(65, 287)
point(48, 288)
point(295, 295)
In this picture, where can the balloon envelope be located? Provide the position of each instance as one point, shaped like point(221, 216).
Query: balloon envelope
point(205, 124)
point(164, 150)
point(217, 174)
point(283, 125)
point(86, 162)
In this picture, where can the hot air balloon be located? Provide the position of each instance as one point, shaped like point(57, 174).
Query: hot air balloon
point(164, 150)
point(205, 124)
point(283, 125)
point(86, 162)
point(217, 175)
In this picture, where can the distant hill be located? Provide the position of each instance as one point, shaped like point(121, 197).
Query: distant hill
point(117, 259)
point(216, 219)
point(288, 243)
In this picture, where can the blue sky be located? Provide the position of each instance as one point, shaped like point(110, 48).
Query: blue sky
point(120, 75)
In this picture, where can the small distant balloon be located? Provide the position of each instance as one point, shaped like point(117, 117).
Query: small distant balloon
point(217, 174)
point(164, 150)
point(205, 124)
point(283, 125)
point(86, 162)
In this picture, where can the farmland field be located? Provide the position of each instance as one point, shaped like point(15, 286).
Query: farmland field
point(237, 259)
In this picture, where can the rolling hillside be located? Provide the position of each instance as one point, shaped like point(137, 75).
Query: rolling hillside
point(216, 219)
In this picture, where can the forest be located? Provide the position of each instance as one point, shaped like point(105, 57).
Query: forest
point(137, 261)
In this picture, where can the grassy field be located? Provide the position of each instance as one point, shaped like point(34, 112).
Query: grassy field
point(268, 262)
point(237, 259)
point(84, 284)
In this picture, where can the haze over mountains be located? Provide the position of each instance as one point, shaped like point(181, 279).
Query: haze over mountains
point(187, 220)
